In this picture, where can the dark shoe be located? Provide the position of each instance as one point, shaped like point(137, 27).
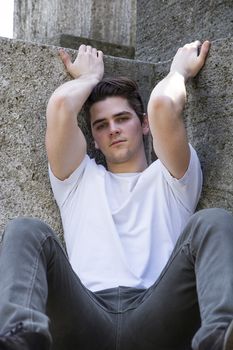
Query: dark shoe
point(228, 340)
point(24, 341)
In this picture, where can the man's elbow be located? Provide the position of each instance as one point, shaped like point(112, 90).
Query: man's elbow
point(161, 103)
point(58, 102)
point(161, 109)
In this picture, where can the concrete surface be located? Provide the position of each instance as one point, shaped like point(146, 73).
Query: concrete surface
point(163, 26)
point(107, 20)
point(73, 42)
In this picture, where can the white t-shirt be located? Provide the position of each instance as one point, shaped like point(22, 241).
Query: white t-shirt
point(120, 229)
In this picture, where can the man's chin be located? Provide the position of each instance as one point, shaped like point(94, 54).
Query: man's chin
point(117, 159)
point(121, 156)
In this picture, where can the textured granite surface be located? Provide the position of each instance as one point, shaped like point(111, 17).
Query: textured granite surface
point(163, 26)
point(107, 20)
point(73, 42)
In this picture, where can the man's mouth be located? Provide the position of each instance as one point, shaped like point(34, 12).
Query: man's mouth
point(116, 142)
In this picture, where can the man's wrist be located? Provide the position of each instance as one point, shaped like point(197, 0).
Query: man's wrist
point(178, 74)
point(90, 78)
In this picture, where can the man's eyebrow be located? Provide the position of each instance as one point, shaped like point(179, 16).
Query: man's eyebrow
point(122, 113)
point(98, 121)
point(114, 116)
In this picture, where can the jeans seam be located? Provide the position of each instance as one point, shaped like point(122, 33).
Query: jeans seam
point(118, 326)
point(33, 277)
point(35, 269)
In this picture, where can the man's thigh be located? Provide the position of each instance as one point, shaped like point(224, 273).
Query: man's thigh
point(168, 316)
point(78, 321)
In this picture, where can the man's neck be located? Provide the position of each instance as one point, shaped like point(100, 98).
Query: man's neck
point(128, 167)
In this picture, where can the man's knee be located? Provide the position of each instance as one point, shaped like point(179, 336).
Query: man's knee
point(214, 224)
point(214, 217)
point(26, 228)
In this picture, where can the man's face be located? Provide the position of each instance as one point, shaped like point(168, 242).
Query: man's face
point(117, 131)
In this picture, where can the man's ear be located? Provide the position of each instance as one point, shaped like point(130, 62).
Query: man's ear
point(96, 145)
point(145, 124)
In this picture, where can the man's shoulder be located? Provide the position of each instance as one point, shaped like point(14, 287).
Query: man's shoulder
point(153, 167)
point(93, 163)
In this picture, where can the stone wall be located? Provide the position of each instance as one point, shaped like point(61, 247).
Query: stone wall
point(163, 26)
point(105, 20)
point(209, 117)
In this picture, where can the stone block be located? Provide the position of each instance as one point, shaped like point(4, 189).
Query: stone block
point(107, 20)
point(73, 42)
point(163, 26)
point(209, 118)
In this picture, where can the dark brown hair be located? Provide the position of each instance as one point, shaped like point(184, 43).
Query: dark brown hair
point(110, 87)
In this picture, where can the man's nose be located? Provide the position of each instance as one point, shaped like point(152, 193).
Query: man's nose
point(114, 129)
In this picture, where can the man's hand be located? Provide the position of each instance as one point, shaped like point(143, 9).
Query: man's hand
point(190, 58)
point(89, 62)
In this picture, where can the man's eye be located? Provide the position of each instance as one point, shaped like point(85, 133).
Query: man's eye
point(122, 119)
point(100, 126)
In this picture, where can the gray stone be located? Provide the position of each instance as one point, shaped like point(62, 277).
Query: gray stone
point(209, 117)
point(163, 26)
point(107, 20)
point(73, 42)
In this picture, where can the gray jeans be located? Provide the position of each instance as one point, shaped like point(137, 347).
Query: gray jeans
point(190, 306)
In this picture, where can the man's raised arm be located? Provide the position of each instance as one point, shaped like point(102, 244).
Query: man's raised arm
point(65, 142)
point(165, 108)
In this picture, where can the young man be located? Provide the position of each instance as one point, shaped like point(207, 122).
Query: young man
point(136, 281)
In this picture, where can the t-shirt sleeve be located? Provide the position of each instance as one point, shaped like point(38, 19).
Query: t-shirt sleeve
point(187, 190)
point(62, 188)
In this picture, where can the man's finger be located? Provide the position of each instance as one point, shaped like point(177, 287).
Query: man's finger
point(94, 51)
point(100, 54)
point(82, 48)
point(196, 43)
point(193, 44)
point(204, 50)
point(88, 49)
point(65, 57)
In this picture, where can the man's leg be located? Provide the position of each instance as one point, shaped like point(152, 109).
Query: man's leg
point(191, 304)
point(36, 280)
